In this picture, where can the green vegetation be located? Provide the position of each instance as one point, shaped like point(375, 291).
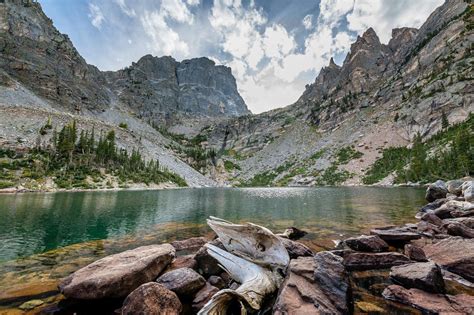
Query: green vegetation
point(261, 180)
point(346, 154)
point(77, 161)
point(447, 155)
point(317, 155)
point(230, 166)
point(332, 176)
point(123, 125)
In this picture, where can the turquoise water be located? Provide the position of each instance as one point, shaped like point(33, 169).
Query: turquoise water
point(39, 222)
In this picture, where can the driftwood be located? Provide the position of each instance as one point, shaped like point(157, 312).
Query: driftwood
point(254, 257)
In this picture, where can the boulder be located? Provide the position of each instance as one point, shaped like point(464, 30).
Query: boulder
point(433, 205)
point(456, 254)
point(368, 261)
point(430, 303)
point(455, 186)
point(117, 275)
point(301, 293)
point(402, 234)
point(206, 264)
point(468, 191)
point(293, 233)
point(186, 261)
point(203, 296)
point(425, 276)
point(469, 222)
point(428, 228)
point(183, 281)
point(459, 229)
point(190, 244)
point(151, 298)
point(372, 243)
point(432, 218)
point(415, 253)
point(437, 190)
point(296, 249)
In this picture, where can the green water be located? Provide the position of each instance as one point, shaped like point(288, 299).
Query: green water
point(37, 223)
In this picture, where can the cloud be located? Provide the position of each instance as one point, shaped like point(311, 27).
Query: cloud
point(125, 9)
point(308, 21)
point(95, 15)
point(384, 15)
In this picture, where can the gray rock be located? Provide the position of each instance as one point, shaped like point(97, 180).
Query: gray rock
point(183, 281)
point(296, 249)
point(364, 243)
point(455, 186)
point(217, 282)
point(115, 276)
point(368, 261)
point(425, 276)
point(437, 190)
point(468, 191)
point(151, 298)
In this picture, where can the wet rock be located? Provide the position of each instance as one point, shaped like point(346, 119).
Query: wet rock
point(372, 243)
point(414, 253)
point(459, 229)
point(422, 275)
point(207, 265)
point(203, 296)
point(151, 298)
point(430, 303)
point(296, 249)
point(367, 261)
point(293, 233)
point(437, 190)
point(402, 234)
point(117, 275)
point(301, 293)
point(456, 254)
point(190, 244)
point(186, 261)
point(217, 282)
point(455, 187)
point(183, 281)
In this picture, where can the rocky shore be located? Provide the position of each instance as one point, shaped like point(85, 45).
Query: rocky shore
point(426, 267)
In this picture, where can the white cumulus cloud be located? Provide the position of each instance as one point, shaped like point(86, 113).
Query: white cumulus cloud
point(308, 21)
point(95, 15)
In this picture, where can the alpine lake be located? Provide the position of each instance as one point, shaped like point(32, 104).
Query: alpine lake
point(46, 236)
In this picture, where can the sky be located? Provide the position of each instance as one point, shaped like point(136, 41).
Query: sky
point(274, 47)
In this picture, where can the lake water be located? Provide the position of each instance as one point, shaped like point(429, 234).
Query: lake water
point(46, 236)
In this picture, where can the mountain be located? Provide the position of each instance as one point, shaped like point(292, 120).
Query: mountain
point(349, 127)
point(381, 97)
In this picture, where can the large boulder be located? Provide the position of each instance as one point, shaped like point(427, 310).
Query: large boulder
point(296, 249)
point(455, 254)
point(151, 298)
point(314, 286)
point(368, 261)
point(183, 281)
point(468, 191)
point(455, 186)
point(459, 229)
point(430, 303)
point(425, 276)
point(437, 190)
point(117, 275)
point(372, 243)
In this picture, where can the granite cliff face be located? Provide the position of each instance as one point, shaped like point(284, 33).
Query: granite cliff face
point(157, 88)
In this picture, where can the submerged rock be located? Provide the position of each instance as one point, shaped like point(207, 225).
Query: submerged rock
point(183, 281)
point(367, 261)
point(423, 275)
point(456, 254)
point(437, 190)
point(115, 276)
point(151, 298)
point(372, 243)
point(430, 303)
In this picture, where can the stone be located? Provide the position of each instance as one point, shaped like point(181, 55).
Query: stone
point(152, 298)
point(364, 243)
point(29, 305)
point(425, 276)
point(459, 229)
point(428, 228)
point(186, 261)
point(415, 253)
point(190, 244)
point(203, 296)
point(293, 233)
point(467, 221)
point(455, 254)
point(396, 234)
point(183, 281)
point(370, 308)
point(436, 190)
point(368, 261)
point(455, 186)
point(115, 276)
point(433, 205)
point(430, 303)
point(217, 282)
point(432, 218)
point(468, 191)
point(207, 265)
point(301, 293)
point(296, 249)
